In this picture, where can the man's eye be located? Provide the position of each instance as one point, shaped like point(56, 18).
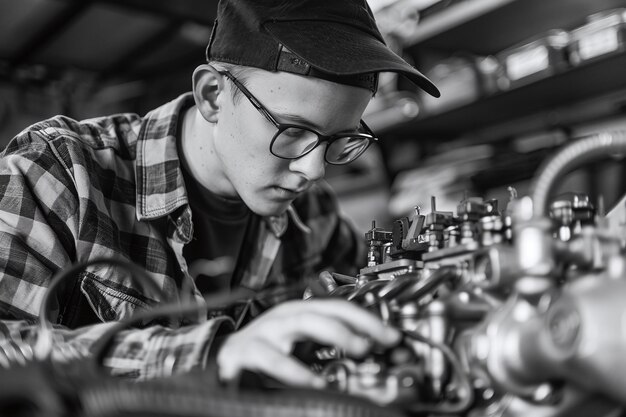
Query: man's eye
point(295, 132)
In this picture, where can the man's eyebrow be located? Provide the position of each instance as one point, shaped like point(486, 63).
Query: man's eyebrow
point(299, 120)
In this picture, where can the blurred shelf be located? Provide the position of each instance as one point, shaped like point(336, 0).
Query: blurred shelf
point(432, 27)
point(488, 26)
point(594, 79)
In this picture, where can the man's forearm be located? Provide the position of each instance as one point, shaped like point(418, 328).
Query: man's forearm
point(138, 353)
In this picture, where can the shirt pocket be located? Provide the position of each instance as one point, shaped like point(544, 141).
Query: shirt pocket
point(110, 303)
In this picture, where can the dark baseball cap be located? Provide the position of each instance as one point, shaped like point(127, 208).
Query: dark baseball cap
point(332, 39)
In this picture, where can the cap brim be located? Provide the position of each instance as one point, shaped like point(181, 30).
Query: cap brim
point(331, 47)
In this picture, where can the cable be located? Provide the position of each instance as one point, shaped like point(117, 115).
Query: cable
point(191, 397)
point(12, 353)
point(212, 302)
point(463, 379)
point(366, 288)
point(44, 342)
point(578, 152)
point(422, 287)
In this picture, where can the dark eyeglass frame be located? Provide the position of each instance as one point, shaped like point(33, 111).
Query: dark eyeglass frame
point(281, 127)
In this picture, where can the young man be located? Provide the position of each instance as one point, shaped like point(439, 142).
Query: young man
point(217, 189)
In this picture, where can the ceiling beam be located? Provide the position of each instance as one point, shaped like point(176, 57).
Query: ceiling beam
point(121, 67)
point(188, 62)
point(49, 31)
point(198, 11)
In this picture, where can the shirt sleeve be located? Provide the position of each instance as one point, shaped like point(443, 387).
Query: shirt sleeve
point(344, 250)
point(39, 234)
point(151, 352)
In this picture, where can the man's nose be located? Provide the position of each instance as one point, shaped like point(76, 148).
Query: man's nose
point(311, 165)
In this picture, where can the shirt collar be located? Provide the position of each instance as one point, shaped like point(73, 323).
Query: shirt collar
point(160, 183)
point(159, 174)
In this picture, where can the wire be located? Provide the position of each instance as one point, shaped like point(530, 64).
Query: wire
point(44, 342)
point(190, 397)
point(464, 380)
point(422, 287)
point(575, 154)
point(12, 352)
point(366, 288)
point(212, 302)
point(215, 301)
point(373, 296)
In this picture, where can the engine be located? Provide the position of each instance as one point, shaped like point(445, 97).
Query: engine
point(506, 311)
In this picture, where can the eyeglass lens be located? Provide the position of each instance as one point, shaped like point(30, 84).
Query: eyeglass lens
point(346, 149)
point(295, 142)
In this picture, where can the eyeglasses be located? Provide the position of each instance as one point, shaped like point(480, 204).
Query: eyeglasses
point(293, 141)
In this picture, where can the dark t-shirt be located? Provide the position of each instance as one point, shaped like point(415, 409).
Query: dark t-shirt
point(219, 228)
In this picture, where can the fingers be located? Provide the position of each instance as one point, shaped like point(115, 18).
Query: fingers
point(260, 356)
point(265, 344)
point(285, 368)
point(358, 320)
point(328, 331)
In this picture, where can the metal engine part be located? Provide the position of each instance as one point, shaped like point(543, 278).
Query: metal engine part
point(512, 312)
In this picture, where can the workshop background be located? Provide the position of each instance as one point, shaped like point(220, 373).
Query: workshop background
point(519, 78)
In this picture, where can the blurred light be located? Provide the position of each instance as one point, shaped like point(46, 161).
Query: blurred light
point(196, 33)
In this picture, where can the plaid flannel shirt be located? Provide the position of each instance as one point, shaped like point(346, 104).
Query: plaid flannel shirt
point(73, 191)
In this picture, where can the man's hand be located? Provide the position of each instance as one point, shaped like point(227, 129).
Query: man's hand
point(265, 344)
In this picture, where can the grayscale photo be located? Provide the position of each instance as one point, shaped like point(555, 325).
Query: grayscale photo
point(313, 208)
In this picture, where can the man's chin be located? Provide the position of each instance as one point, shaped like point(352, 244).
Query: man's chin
point(268, 209)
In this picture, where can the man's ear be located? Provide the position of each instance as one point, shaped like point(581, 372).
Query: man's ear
point(207, 85)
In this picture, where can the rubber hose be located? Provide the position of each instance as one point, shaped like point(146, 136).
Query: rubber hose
point(191, 398)
point(570, 157)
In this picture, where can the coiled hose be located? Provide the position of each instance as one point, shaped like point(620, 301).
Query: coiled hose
point(193, 397)
point(572, 156)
